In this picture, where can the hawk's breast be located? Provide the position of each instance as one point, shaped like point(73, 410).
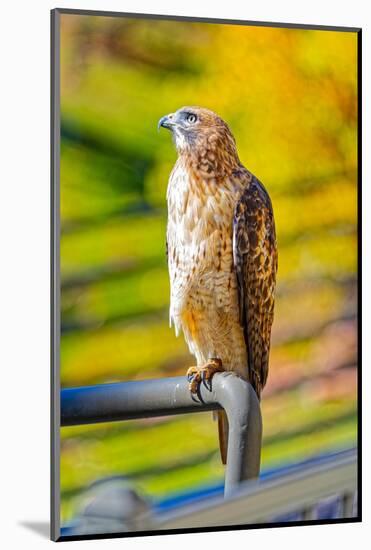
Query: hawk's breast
point(199, 240)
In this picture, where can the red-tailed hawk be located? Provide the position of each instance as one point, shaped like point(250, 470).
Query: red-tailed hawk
point(222, 254)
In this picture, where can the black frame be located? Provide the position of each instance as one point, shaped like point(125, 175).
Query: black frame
point(55, 413)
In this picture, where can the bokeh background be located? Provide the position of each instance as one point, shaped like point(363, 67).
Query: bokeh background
point(290, 97)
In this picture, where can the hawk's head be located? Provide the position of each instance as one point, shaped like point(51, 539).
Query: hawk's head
point(199, 132)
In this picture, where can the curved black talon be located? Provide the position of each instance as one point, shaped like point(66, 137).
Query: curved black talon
point(206, 382)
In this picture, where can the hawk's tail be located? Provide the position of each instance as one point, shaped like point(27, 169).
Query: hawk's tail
point(223, 435)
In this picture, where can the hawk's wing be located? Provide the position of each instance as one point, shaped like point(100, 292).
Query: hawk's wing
point(255, 260)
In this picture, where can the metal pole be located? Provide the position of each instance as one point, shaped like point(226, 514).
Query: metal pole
point(242, 407)
point(346, 505)
point(168, 396)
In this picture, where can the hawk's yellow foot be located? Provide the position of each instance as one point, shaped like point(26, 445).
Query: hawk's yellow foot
point(204, 374)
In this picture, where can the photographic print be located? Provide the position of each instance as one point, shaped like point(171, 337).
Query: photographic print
point(205, 259)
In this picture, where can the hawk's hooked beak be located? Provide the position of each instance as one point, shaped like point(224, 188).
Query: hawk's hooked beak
point(166, 122)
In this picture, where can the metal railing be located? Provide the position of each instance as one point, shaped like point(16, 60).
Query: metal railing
point(169, 396)
point(269, 500)
point(322, 488)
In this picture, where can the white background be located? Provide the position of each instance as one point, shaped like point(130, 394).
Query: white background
point(24, 269)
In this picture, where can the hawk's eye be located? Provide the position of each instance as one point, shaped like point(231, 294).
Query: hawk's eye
point(191, 118)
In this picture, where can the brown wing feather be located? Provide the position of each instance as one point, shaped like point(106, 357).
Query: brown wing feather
point(255, 260)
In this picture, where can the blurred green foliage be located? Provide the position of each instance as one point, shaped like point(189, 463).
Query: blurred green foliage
point(290, 99)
